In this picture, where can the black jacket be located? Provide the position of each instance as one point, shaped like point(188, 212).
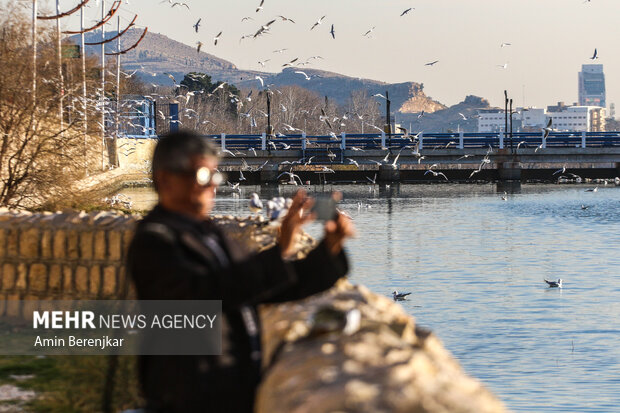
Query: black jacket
point(174, 257)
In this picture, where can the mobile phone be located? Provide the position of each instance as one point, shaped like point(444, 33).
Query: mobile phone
point(325, 207)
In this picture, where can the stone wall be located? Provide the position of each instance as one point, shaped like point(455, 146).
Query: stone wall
point(63, 255)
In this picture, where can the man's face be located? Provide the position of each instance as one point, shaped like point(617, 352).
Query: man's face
point(182, 192)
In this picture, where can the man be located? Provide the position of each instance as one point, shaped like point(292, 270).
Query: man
point(178, 253)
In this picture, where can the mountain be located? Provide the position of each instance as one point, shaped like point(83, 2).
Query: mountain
point(158, 54)
point(449, 118)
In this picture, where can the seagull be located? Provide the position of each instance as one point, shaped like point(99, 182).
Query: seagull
point(332, 32)
point(373, 181)
point(303, 73)
point(548, 128)
point(437, 173)
point(595, 55)
point(399, 296)
point(198, 46)
point(354, 162)
point(504, 66)
point(260, 79)
point(462, 116)
point(406, 11)
point(256, 205)
point(292, 177)
point(584, 206)
point(260, 6)
point(197, 25)
point(318, 22)
point(216, 38)
point(555, 284)
point(379, 95)
point(241, 177)
point(369, 31)
point(432, 63)
point(262, 62)
point(592, 189)
point(171, 77)
point(286, 19)
point(505, 196)
point(179, 4)
point(560, 171)
point(505, 44)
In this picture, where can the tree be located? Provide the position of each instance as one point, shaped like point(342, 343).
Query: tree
point(39, 162)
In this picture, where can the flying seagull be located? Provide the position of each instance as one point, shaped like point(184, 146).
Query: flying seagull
point(595, 55)
point(369, 31)
point(198, 46)
point(216, 38)
point(406, 11)
point(303, 73)
point(548, 128)
point(431, 63)
point(260, 6)
point(197, 25)
point(332, 32)
point(555, 284)
point(319, 21)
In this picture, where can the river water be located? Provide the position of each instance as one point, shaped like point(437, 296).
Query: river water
point(475, 265)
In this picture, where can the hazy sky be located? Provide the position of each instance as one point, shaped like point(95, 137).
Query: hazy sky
point(550, 40)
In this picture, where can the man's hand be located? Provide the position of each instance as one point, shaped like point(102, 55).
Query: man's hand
point(338, 230)
point(293, 221)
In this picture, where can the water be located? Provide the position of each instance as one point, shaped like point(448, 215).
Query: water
point(475, 266)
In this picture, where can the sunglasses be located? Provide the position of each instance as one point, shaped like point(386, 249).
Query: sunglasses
point(205, 177)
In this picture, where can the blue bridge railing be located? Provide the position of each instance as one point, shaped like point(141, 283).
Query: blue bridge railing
point(424, 140)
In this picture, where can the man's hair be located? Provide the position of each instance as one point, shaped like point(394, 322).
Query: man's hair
point(174, 151)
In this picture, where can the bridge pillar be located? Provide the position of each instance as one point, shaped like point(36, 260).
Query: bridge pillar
point(509, 171)
point(388, 173)
point(461, 140)
point(269, 174)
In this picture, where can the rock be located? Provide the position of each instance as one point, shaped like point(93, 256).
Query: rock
point(386, 366)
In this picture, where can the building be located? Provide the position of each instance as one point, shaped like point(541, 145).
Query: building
point(578, 119)
point(491, 120)
point(592, 86)
point(494, 120)
point(565, 119)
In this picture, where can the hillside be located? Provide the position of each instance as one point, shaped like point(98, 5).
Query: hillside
point(449, 118)
point(157, 54)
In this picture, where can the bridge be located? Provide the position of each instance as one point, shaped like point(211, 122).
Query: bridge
point(408, 158)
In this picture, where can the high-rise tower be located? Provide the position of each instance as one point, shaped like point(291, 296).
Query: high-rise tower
point(592, 86)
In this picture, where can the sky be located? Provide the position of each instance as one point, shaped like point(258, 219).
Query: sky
point(550, 40)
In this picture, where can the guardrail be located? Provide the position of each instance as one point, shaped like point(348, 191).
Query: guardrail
point(368, 141)
point(422, 140)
